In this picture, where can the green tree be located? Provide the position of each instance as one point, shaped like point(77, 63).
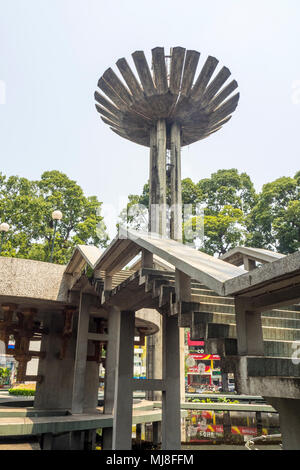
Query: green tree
point(135, 214)
point(227, 198)
point(274, 222)
point(4, 375)
point(227, 188)
point(222, 231)
point(27, 206)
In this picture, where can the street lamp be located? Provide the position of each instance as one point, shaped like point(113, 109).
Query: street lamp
point(56, 215)
point(4, 227)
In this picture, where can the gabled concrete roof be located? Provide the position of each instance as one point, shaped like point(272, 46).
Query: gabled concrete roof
point(236, 255)
point(82, 255)
point(281, 274)
point(199, 266)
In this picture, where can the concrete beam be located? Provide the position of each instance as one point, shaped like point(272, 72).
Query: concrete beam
point(98, 337)
point(148, 384)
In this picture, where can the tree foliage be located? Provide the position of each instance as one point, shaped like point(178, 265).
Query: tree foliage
point(227, 188)
point(234, 214)
point(222, 231)
point(28, 205)
point(226, 197)
point(274, 222)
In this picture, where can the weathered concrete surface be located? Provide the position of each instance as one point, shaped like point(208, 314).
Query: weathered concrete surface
point(55, 425)
point(80, 360)
point(144, 412)
point(171, 376)
point(121, 438)
point(55, 390)
point(29, 279)
point(199, 266)
point(136, 103)
point(83, 254)
point(289, 413)
point(269, 273)
point(267, 376)
point(236, 255)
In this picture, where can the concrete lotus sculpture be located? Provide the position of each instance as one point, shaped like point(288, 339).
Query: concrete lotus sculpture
point(198, 106)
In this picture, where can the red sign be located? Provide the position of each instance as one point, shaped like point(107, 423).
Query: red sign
point(198, 357)
point(211, 430)
point(196, 370)
point(194, 343)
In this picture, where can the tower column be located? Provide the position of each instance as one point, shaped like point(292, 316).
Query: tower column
point(122, 419)
point(175, 183)
point(80, 366)
point(114, 319)
point(158, 189)
point(171, 429)
point(176, 223)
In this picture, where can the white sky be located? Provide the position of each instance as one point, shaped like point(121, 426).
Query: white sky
point(52, 53)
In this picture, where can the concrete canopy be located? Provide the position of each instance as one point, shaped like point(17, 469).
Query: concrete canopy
point(236, 255)
point(199, 103)
point(199, 266)
point(270, 285)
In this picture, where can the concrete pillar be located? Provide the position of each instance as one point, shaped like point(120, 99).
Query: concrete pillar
point(225, 387)
point(154, 358)
point(81, 353)
point(157, 190)
point(183, 293)
point(171, 422)
point(248, 330)
point(249, 264)
point(122, 420)
point(46, 441)
point(51, 441)
point(175, 184)
point(110, 372)
point(147, 259)
point(226, 426)
point(138, 435)
point(259, 426)
point(289, 418)
point(77, 440)
point(89, 439)
point(91, 383)
point(182, 364)
point(55, 390)
point(156, 432)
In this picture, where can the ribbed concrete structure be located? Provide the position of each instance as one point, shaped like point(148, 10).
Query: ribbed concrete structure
point(173, 92)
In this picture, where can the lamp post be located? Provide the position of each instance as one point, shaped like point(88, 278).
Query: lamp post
point(4, 227)
point(56, 215)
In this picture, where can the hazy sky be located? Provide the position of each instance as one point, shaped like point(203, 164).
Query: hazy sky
point(52, 53)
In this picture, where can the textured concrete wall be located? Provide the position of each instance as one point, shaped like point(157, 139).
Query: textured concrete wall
point(32, 279)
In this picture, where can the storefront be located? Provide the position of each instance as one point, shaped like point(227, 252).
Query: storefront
point(202, 370)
